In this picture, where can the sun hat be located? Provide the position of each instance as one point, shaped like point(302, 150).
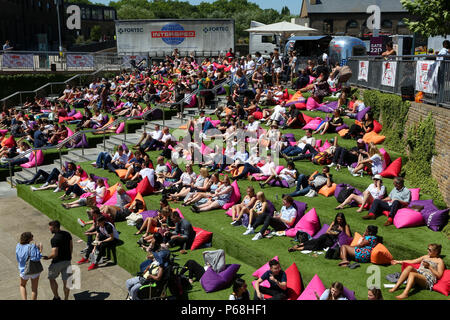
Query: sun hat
point(377, 177)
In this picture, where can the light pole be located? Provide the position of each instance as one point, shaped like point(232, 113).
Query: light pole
point(58, 3)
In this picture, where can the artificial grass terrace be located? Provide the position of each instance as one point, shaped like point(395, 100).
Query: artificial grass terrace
point(403, 243)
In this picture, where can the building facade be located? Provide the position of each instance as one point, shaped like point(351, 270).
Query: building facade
point(33, 24)
point(349, 17)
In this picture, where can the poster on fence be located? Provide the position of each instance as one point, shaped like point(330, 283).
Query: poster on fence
point(80, 61)
point(427, 76)
point(389, 72)
point(18, 61)
point(363, 70)
point(137, 59)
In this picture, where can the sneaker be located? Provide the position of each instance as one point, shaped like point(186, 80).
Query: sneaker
point(56, 190)
point(249, 231)
point(369, 217)
point(81, 222)
point(84, 260)
point(356, 174)
point(311, 194)
point(33, 188)
point(331, 165)
point(93, 266)
point(44, 185)
point(258, 236)
point(350, 168)
point(94, 164)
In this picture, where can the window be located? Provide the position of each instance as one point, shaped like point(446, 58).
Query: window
point(267, 39)
point(109, 14)
point(97, 14)
point(386, 24)
point(328, 26)
point(352, 24)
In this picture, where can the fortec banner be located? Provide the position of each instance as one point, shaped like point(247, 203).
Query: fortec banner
point(186, 35)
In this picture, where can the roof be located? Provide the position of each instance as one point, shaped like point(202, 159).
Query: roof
point(353, 6)
point(310, 38)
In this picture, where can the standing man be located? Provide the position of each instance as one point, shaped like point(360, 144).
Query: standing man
point(7, 46)
point(62, 248)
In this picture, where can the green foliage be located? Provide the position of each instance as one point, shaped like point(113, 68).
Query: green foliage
point(393, 112)
point(96, 33)
point(431, 17)
point(421, 148)
point(242, 11)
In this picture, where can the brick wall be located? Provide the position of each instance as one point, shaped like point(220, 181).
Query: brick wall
point(440, 164)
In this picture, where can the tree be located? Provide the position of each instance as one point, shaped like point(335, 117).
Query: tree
point(285, 11)
point(96, 33)
point(431, 17)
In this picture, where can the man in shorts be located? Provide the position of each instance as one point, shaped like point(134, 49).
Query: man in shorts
point(62, 247)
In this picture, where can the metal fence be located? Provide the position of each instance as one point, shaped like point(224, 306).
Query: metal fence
point(52, 61)
point(405, 76)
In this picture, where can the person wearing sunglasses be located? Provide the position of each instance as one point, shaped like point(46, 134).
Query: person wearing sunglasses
point(430, 271)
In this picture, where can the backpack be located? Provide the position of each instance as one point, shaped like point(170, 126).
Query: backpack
point(345, 73)
point(322, 158)
point(344, 194)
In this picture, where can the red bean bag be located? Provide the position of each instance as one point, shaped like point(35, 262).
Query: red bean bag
point(201, 237)
point(257, 115)
point(9, 142)
point(300, 106)
point(377, 127)
point(144, 187)
point(307, 118)
point(393, 170)
point(443, 285)
point(386, 158)
point(294, 282)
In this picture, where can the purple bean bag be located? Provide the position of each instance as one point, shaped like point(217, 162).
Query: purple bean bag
point(72, 113)
point(329, 107)
point(360, 115)
point(341, 186)
point(344, 239)
point(83, 142)
point(290, 137)
point(322, 231)
point(276, 183)
point(125, 148)
point(149, 214)
point(349, 294)
point(212, 281)
point(436, 220)
point(344, 126)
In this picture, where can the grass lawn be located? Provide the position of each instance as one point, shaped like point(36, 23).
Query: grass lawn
point(404, 244)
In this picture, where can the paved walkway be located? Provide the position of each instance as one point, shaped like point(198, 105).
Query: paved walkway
point(17, 216)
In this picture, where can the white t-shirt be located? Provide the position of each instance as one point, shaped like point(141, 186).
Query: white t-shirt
point(87, 184)
point(157, 135)
point(187, 178)
point(288, 213)
point(167, 137)
point(160, 168)
point(249, 66)
point(284, 175)
point(266, 168)
point(376, 194)
point(311, 141)
point(100, 193)
point(254, 126)
point(377, 164)
point(150, 174)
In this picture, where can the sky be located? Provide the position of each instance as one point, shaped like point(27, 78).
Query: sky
point(293, 5)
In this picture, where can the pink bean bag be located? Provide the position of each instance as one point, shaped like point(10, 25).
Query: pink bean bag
point(315, 285)
point(34, 160)
point(325, 146)
point(235, 196)
point(408, 218)
point(312, 104)
point(309, 223)
point(120, 128)
point(415, 194)
point(313, 124)
point(78, 116)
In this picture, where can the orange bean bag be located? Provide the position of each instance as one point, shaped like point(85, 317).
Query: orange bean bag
point(328, 191)
point(356, 239)
point(139, 197)
point(343, 132)
point(374, 137)
point(238, 171)
point(109, 192)
point(380, 255)
point(121, 173)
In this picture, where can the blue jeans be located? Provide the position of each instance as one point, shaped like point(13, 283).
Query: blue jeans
point(15, 163)
point(103, 159)
point(133, 286)
point(302, 181)
point(292, 151)
point(248, 168)
point(208, 125)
